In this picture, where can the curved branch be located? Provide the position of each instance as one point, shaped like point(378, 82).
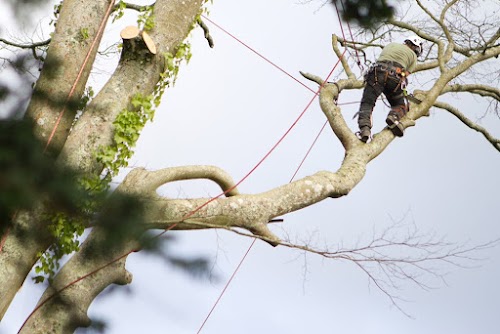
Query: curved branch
point(327, 99)
point(149, 181)
point(317, 79)
point(474, 126)
point(251, 212)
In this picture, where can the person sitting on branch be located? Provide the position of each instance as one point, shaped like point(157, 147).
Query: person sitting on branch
point(389, 76)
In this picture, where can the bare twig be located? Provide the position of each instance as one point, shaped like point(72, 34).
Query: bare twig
point(132, 6)
point(454, 111)
point(397, 255)
point(25, 46)
point(478, 89)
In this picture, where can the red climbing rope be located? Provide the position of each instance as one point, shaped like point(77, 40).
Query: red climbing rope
point(258, 54)
point(270, 151)
point(227, 285)
point(352, 37)
point(310, 102)
point(308, 151)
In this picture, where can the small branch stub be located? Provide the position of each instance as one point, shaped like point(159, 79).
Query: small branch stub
point(131, 32)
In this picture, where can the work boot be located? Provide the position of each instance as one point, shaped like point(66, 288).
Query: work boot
point(364, 134)
point(395, 125)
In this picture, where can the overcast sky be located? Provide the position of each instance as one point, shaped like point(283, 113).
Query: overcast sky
point(228, 109)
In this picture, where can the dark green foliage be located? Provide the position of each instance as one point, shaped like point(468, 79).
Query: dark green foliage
point(120, 220)
point(28, 175)
point(366, 13)
point(197, 267)
point(23, 8)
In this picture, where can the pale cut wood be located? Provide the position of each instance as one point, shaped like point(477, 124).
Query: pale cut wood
point(129, 32)
point(149, 42)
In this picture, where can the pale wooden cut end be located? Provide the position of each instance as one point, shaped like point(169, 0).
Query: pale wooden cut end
point(129, 32)
point(149, 42)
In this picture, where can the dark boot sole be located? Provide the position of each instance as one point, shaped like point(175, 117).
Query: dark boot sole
point(396, 127)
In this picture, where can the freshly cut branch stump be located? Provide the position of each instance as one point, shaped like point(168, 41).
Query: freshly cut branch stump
point(132, 32)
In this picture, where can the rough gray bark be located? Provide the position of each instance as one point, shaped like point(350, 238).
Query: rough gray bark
point(69, 49)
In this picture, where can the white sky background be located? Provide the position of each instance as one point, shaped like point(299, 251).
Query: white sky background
point(228, 109)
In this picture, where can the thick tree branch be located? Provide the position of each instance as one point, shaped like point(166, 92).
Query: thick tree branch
point(327, 98)
point(251, 212)
point(26, 238)
point(66, 301)
point(491, 42)
point(454, 111)
point(63, 77)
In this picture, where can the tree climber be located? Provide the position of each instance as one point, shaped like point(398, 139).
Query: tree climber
point(389, 76)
